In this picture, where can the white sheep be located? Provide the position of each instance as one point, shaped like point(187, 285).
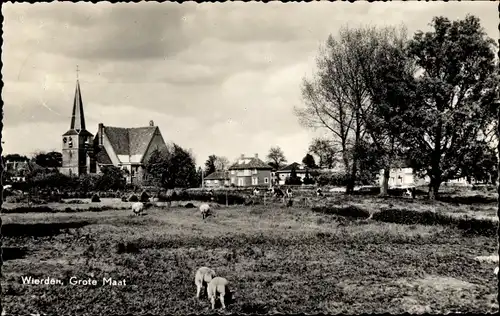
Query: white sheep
point(139, 207)
point(203, 276)
point(496, 271)
point(289, 193)
point(319, 192)
point(256, 192)
point(218, 285)
point(205, 210)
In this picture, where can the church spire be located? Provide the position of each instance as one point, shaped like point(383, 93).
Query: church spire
point(77, 118)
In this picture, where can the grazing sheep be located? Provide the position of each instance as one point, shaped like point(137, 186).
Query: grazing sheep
point(496, 271)
point(205, 210)
point(277, 192)
point(139, 207)
point(218, 285)
point(256, 192)
point(289, 193)
point(319, 192)
point(407, 193)
point(203, 276)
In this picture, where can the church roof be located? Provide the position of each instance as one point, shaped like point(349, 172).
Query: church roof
point(102, 157)
point(132, 142)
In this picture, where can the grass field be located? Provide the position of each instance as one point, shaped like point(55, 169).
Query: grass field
point(287, 260)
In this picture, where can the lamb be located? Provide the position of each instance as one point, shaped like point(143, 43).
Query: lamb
point(203, 276)
point(256, 192)
point(496, 271)
point(139, 207)
point(319, 192)
point(218, 285)
point(205, 210)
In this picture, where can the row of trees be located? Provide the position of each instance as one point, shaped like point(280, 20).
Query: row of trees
point(428, 100)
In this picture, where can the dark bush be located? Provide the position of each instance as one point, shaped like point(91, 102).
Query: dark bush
point(347, 211)
point(473, 199)
point(144, 197)
point(189, 205)
point(133, 198)
point(124, 198)
point(95, 198)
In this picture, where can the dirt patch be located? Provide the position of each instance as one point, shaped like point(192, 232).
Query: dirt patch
point(492, 258)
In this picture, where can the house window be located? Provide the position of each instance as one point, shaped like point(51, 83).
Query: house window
point(246, 172)
point(241, 182)
point(255, 181)
point(266, 180)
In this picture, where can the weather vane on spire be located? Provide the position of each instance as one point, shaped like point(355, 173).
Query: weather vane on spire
point(77, 72)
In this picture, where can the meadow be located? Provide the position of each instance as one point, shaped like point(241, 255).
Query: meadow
point(278, 259)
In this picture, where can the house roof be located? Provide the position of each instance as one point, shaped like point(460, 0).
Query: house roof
point(102, 157)
point(298, 168)
point(129, 141)
point(250, 163)
point(218, 175)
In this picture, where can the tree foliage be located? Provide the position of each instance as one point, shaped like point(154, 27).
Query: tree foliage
point(326, 151)
point(172, 168)
point(457, 89)
point(210, 164)
point(309, 161)
point(276, 157)
point(51, 159)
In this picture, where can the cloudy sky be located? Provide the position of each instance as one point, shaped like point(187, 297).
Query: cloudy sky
point(217, 78)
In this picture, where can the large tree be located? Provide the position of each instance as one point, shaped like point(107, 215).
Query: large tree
point(210, 164)
point(172, 168)
point(276, 157)
point(309, 161)
point(326, 151)
point(457, 84)
point(388, 75)
point(334, 99)
point(221, 163)
point(52, 159)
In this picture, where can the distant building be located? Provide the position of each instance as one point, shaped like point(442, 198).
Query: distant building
point(285, 172)
point(126, 148)
point(16, 171)
point(403, 177)
point(250, 171)
point(217, 179)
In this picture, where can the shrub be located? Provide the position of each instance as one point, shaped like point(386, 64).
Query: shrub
point(95, 198)
point(332, 178)
point(348, 211)
point(124, 198)
point(308, 180)
point(133, 198)
point(144, 197)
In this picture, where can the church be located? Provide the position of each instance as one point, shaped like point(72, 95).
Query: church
point(126, 148)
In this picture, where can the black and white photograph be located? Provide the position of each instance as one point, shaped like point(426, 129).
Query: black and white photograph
point(250, 158)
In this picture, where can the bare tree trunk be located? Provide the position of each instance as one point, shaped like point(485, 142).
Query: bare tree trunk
point(384, 186)
point(435, 166)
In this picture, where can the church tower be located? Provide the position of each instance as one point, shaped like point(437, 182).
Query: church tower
point(76, 140)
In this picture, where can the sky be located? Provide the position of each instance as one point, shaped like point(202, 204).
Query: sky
point(218, 79)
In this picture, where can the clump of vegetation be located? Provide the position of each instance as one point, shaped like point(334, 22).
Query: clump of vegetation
point(144, 197)
point(133, 198)
point(124, 198)
point(346, 211)
point(95, 198)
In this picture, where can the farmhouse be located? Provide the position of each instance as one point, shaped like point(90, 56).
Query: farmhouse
point(248, 171)
point(286, 171)
point(217, 179)
point(126, 148)
point(404, 177)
